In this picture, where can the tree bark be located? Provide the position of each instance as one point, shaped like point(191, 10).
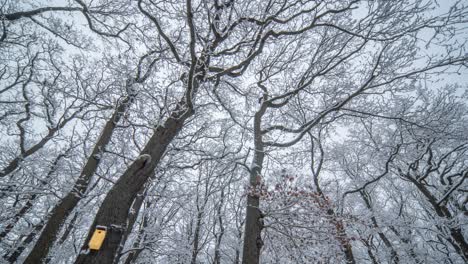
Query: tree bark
point(114, 210)
point(254, 218)
point(64, 208)
point(219, 236)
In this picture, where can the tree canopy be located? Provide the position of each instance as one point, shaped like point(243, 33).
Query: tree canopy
point(234, 131)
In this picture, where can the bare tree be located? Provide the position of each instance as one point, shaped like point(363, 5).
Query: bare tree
point(62, 210)
point(427, 150)
point(159, 119)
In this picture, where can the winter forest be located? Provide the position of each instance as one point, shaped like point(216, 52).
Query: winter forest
point(233, 131)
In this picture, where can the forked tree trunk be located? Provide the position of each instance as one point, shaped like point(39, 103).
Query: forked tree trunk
point(369, 251)
point(237, 255)
point(252, 235)
point(114, 210)
point(63, 209)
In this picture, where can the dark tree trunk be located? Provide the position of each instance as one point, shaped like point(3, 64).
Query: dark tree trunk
point(252, 234)
point(254, 218)
point(133, 256)
point(64, 208)
point(196, 237)
point(237, 255)
point(114, 210)
point(219, 236)
point(340, 229)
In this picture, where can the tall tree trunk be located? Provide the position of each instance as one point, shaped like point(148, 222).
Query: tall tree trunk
point(64, 208)
point(198, 222)
point(219, 236)
point(254, 218)
point(114, 210)
point(196, 237)
point(133, 256)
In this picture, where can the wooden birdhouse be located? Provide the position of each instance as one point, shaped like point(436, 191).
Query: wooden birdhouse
point(98, 238)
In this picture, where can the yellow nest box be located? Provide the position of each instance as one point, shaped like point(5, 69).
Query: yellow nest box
point(98, 238)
